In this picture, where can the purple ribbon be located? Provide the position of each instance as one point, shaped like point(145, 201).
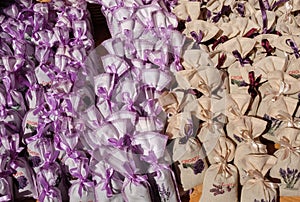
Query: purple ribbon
point(83, 181)
point(198, 37)
point(7, 83)
point(122, 143)
point(107, 182)
point(224, 11)
point(263, 6)
point(293, 45)
point(251, 33)
point(129, 102)
point(242, 61)
point(222, 39)
point(241, 9)
point(50, 158)
point(221, 61)
point(188, 131)
point(266, 45)
point(103, 93)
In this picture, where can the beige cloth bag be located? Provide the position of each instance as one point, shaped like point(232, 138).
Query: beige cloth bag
point(207, 80)
point(261, 52)
point(237, 26)
point(245, 129)
point(287, 168)
point(192, 163)
point(196, 59)
point(245, 132)
point(279, 111)
point(187, 9)
point(238, 76)
point(212, 112)
point(287, 25)
point(174, 101)
point(283, 45)
point(257, 188)
point(242, 44)
point(259, 19)
point(209, 30)
point(236, 105)
point(221, 179)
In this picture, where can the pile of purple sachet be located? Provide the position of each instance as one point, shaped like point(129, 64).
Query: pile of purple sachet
point(76, 129)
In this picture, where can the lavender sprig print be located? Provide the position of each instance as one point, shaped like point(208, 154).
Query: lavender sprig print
point(197, 167)
point(263, 200)
point(239, 139)
point(22, 182)
point(290, 177)
point(220, 189)
point(164, 193)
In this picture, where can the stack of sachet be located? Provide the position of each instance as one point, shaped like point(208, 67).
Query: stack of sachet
point(43, 46)
point(239, 87)
point(129, 161)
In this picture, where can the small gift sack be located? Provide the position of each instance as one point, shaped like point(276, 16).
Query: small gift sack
point(192, 162)
point(180, 123)
point(135, 186)
point(5, 189)
point(165, 185)
point(221, 178)
point(136, 189)
point(24, 180)
point(256, 187)
point(287, 168)
point(82, 189)
point(245, 132)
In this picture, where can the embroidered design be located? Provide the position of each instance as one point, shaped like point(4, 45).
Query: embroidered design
point(221, 189)
point(197, 167)
point(21, 182)
point(263, 200)
point(290, 177)
point(164, 193)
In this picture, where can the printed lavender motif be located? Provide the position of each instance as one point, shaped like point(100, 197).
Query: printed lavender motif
point(220, 189)
point(238, 82)
point(239, 139)
point(35, 161)
point(296, 76)
point(164, 193)
point(263, 200)
point(197, 167)
point(32, 128)
point(290, 177)
point(22, 182)
point(274, 124)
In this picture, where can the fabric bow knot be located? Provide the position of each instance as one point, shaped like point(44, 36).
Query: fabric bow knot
point(285, 142)
point(294, 46)
point(107, 182)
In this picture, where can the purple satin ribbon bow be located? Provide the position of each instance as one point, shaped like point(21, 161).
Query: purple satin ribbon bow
point(107, 183)
point(264, 6)
point(266, 45)
point(83, 181)
point(222, 39)
point(226, 10)
point(293, 45)
point(242, 61)
point(198, 37)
